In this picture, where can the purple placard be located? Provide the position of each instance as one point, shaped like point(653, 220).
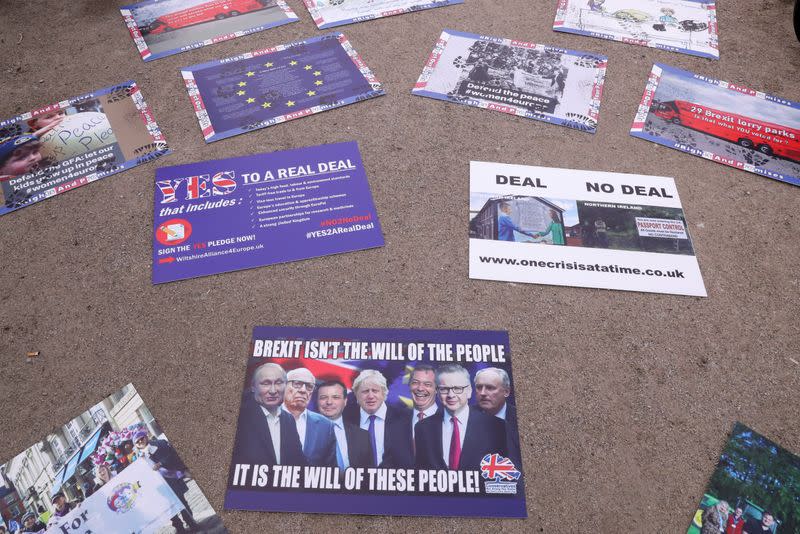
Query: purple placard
point(279, 84)
point(226, 215)
point(332, 379)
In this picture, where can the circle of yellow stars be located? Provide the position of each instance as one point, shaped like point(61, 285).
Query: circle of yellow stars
point(289, 103)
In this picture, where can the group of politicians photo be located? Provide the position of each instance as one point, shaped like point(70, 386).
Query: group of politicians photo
point(442, 429)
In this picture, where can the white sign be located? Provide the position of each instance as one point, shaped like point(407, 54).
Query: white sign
point(330, 13)
point(589, 232)
point(137, 500)
point(685, 26)
point(665, 228)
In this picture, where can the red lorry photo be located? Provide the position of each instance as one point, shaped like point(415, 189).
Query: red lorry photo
point(205, 12)
point(766, 137)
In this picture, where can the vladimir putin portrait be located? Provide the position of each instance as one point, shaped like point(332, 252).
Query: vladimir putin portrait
point(266, 434)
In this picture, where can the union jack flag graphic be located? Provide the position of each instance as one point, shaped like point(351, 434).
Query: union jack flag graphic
point(496, 467)
point(197, 187)
point(224, 182)
point(167, 190)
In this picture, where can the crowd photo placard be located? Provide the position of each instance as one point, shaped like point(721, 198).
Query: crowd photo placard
point(56, 148)
point(331, 13)
point(579, 228)
point(720, 121)
point(275, 85)
point(231, 214)
point(525, 79)
point(755, 489)
point(378, 421)
point(161, 28)
point(686, 26)
point(109, 470)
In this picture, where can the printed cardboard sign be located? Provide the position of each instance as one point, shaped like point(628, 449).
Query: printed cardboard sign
point(231, 214)
point(330, 13)
point(721, 121)
point(164, 27)
point(59, 147)
point(754, 489)
point(579, 228)
point(110, 470)
point(367, 421)
point(275, 85)
point(525, 79)
point(686, 26)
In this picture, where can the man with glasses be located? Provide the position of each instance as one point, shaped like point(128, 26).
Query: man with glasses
point(266, 434)
point(458, 437)
point(315, 431)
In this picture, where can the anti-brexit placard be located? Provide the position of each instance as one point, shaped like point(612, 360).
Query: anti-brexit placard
point(720, 121)
point(226, 215)
point(378, 421)
point(56, 148)
point(579, 228)
point(274, 85)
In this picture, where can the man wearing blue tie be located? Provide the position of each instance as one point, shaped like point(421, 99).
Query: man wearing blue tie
point(389, 428)
point(315, 431)
point(353, 448)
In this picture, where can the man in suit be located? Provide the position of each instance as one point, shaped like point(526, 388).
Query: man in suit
point(265, 434)
point(422, 385)
point(315, 431)
point(458, 437)
point(353, 448)
point(492, 388)
point(389, 428)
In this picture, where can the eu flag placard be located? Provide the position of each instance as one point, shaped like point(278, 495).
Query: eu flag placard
point(273, 85)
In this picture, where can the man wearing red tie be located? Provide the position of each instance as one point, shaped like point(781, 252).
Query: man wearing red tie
point(458, 437)
point(422, 385)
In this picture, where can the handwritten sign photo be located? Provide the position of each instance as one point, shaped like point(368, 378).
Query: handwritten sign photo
point(59, 147)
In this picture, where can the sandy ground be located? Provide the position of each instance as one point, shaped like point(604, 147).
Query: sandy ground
point(625, 399)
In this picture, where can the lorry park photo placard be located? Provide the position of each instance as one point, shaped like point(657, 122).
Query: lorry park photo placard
point(279, 84)
point(110, 470)
point(579, 228)
point(232, 214)
point(331, 13)
point(685, 26)
point(160, 28)
point(720, 121)
point(378, 422)
point(56, 148)
point(525, 79)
